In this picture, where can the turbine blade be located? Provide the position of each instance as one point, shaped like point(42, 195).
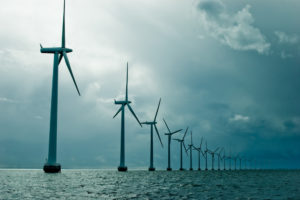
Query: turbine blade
point(126, 95)
point(185, 132)
point(176, 131)
point(216, 150)
point(60, 58)
point(184, 146)
point(118, 111)
point(134, 114)
point(41, 46)
point(201, 142)
point(167, 126)
point(158, 135)
point(70, 70)
point(63, 40)
point(157, 110)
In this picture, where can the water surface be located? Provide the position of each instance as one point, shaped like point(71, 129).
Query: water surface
point(110, 184)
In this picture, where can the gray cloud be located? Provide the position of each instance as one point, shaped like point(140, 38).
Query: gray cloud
point(234, 30)
point(285, 38)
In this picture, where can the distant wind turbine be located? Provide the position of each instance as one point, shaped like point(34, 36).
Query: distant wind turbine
point(169, 144)
point(181, 142)
point(205, 155)
point(51, 166)
point(191, 151)
point(199, 153)
point(224, 160)
point(213, 157)
point(153, 123)
point(219, 158)
point(123, 104)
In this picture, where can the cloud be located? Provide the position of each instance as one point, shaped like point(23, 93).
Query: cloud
point(235, 31)
point(285, 38)
point(238, 117)
point(7, 100)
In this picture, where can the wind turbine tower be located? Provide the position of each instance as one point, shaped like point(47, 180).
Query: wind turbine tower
point(181, 142)
point(219, 158)
point(123, 104)
point(205, 155)
point(213, 157)
point(199, 152)
point(191, 146)
point(169, 144)
point(51, 166)
point(153, 124)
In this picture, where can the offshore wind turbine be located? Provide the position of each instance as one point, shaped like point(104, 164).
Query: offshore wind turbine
point(235, 158)
point(181, 142)
point(219, 158)
point(224, 160)
point(169, 144)
point(51, 166)
point(199, 152)
point(213, 157)
point(191, 150)
point(123, 104)
point(151, 124)
point(205, 155)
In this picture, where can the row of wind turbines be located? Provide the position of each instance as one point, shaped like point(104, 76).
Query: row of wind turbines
point(51, 165)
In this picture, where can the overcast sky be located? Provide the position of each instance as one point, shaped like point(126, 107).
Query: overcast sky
point(227, 69)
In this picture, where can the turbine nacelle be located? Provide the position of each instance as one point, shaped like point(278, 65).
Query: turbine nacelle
point(122, 102)
point(149, 123)
point(55, 50)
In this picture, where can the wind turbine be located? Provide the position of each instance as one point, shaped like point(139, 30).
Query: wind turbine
point(235, 158)
point(224, 160)
point(181, 141)
point(123, 104)
point(229, 158)
point(219, 158)
point(169, 144)
point(51, 166)
point(240, 159)
point(205, 155)
point(191, 150)
point(153, 123)
point(199, 152)
point(213, 157)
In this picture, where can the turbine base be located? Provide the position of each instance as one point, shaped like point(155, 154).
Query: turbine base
point(122, 169)
point(191, 169)
point(199, 169)
point(169, 169)
point(181, 169)
point(52, 168)
point(151, 169)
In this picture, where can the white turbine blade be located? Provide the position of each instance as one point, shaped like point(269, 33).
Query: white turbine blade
point(118, 111)
point(185, 132)
point(157, 110)
point(167, 126)
point(63, 40)
point(70, 70)
point(216, 150)
point(176, 131)
point(126, 95)
point(60, 58)
point(184, 147)
point(158, 135)
point(201, 142)
point(134, 115)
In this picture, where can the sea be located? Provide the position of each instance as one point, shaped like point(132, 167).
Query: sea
point(142, 184)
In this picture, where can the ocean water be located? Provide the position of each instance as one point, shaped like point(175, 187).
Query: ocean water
point(138, 184)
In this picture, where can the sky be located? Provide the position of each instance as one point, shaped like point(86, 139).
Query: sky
point(228, 70)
